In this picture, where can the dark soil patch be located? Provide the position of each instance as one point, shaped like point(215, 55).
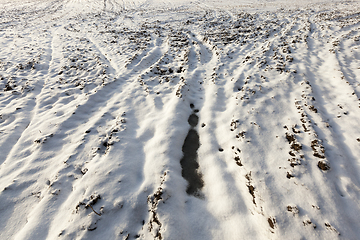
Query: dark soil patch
point(189, 163)
point(193, 120)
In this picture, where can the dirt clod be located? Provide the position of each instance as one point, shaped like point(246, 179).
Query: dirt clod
point(289, 175)
point(293, 209)
point(323, 165)
point(290, 138)
point(296, 146)
point(272, 222)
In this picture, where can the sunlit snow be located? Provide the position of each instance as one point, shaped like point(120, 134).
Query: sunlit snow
point(179, 119)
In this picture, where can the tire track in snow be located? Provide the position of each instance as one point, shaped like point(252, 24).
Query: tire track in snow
point(104, 110)
point(33, 105)
point(90, 106)
point(22, 149)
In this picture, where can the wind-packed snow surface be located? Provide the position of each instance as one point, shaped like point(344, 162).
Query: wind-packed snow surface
point(179, 119)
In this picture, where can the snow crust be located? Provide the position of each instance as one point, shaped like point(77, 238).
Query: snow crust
point(179, 119)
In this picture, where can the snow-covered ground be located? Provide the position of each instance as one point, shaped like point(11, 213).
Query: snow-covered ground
point(179, 119)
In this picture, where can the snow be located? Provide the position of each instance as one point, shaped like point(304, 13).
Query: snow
point(179, 119)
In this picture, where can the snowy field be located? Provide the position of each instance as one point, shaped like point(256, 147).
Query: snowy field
point(194, 120)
